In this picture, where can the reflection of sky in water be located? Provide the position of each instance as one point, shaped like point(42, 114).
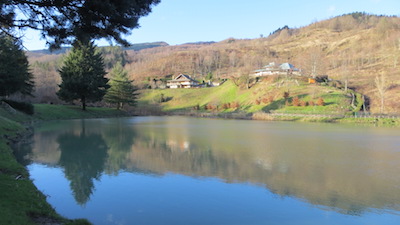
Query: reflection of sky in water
point(231, 172)
point(131, 198)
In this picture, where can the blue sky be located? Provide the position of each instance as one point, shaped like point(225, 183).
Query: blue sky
point(182, 21)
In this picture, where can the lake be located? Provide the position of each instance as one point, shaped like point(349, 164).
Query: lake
point(179, 170)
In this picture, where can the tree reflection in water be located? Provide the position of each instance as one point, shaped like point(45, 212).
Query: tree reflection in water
point(119, 139)
point(82, 157)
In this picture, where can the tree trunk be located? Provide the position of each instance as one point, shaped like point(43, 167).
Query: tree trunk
point(83, 100)
point(119, 105)
point(363, 99)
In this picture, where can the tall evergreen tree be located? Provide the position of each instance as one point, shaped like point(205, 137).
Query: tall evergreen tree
point(83, 75)
point(14, 68)
point(122, 90)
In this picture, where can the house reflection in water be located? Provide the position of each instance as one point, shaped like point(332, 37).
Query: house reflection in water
point(178, 145)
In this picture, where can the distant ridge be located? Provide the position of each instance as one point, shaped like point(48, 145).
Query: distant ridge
point(62, 50)
point(135, 47)
point(141, 46)
point(200, 43)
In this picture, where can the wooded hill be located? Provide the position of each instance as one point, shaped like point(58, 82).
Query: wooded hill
point(355, 48)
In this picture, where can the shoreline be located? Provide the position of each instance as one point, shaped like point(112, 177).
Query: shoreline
point(22, 202)
point(314, 118)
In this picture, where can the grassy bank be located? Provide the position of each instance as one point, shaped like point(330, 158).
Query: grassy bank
point(57, 112)
point(20, 201)
point(327, 119)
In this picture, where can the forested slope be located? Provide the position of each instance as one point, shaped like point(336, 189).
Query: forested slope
point(354, 48)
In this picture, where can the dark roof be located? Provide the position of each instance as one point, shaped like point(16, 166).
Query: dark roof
point(182, 77)
point(186, 77)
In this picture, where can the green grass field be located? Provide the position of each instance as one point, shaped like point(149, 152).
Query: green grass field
point(56, 112)
point(262, 97)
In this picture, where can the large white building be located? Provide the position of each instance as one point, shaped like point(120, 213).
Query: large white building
point(182, 81)
point(273, 69)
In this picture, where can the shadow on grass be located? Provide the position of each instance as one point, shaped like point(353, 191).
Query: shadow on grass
point(147, 109)
point(274, 105)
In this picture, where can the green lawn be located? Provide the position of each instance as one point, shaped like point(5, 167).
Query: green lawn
point(262, 97)
point(54, 112)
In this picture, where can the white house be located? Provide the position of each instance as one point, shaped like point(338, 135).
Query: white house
point(182, 81)
point(273, 69)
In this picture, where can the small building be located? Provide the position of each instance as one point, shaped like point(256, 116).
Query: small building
point(274, 69)
point(288, 68)
point(182, 81)
point(269, 69)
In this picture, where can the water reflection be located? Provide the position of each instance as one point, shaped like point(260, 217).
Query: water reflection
point(120, 139)
point(346, 170)
point(83, 157)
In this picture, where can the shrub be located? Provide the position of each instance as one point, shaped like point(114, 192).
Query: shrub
point(311, 103)
point(159, 98)
point(210, 107)
point(234, 105)
point(320, 101)
point(303, 103)
point(271, 98)
point(286, 95)
point(296, 101)
point(21, 106)
point(265, 100)
point(225, 106)
point(258, 101)
point(196, 107)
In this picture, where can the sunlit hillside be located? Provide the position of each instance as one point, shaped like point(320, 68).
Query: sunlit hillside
point(354, 48)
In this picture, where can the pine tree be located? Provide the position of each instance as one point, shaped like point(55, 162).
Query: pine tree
point(61, 22)
point(83, 75)
point(14, 68)
point(122, 91)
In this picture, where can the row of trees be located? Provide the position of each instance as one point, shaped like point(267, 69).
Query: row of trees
point(75, 22)
point(83, 75)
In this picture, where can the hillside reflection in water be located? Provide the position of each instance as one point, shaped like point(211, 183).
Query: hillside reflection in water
point(349, 170)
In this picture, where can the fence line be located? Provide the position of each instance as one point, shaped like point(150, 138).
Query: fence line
point(355, 115)
point(308, 115)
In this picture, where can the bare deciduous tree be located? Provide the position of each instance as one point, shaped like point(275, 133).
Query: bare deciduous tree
point(381, 86)
point(316, 64)
point(345, 72)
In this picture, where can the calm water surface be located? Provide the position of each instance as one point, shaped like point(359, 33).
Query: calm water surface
point(178, 170)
